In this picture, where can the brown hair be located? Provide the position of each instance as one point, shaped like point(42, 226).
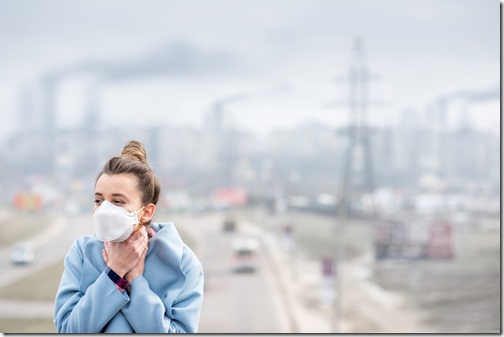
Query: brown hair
point(133, 159)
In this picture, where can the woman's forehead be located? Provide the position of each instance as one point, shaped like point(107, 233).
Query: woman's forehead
point(123, 183)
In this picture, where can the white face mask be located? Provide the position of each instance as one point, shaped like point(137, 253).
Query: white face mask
point(113, 223)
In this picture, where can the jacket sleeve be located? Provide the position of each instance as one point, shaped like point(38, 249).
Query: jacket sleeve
point(147, 313)
point(89, 312)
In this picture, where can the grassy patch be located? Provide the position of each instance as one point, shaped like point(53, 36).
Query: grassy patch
point(41, 285)
point(22, 226)
point(29, 325)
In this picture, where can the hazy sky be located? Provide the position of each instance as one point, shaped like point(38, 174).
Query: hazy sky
point(284, 57)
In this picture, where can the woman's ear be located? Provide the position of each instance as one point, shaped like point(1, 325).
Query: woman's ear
point(148, 213)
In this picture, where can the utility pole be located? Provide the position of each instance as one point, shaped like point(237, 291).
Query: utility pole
point(358, 169)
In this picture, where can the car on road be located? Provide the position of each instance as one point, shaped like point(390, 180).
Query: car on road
point(22, 253)
point(244, 254)
point(229, 224)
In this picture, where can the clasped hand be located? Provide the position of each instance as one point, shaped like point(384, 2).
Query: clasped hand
point(127, 258)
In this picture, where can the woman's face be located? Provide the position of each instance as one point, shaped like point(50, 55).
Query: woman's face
point(120, 190)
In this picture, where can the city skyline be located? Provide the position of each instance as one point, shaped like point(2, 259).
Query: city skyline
point(286, 60)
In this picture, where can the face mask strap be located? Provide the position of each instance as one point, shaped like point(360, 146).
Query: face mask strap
point(139, 221)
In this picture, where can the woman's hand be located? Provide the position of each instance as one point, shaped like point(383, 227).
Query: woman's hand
point(138, 269)
point(123, 257)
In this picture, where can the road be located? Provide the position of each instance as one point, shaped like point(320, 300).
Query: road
point(49, 247)
point(233, 303)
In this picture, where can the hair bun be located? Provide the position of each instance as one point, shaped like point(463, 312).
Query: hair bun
point(134, 150)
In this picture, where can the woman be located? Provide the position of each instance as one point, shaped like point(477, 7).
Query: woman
point(132, 275)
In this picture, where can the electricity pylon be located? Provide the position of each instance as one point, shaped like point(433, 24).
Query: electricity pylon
point(358, 169)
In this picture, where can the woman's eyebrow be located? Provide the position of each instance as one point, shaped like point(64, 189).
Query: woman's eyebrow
point(113, 195)
point(119, 195)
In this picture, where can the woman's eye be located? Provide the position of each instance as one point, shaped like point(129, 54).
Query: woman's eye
point(119, 202)
point(98, 202)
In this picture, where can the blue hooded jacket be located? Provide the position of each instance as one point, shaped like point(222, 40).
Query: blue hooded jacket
point(166, 298)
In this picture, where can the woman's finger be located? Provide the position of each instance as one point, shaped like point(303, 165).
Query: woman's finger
point(151, 232)
point(105, 256)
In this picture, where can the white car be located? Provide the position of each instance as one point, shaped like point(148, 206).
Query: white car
point(245, 251)
point(22, 253)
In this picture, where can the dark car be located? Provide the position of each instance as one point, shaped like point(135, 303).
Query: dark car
point(229, 225)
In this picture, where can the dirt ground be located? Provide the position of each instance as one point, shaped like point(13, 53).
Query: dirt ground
point(458, 295)
point(461, 295)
